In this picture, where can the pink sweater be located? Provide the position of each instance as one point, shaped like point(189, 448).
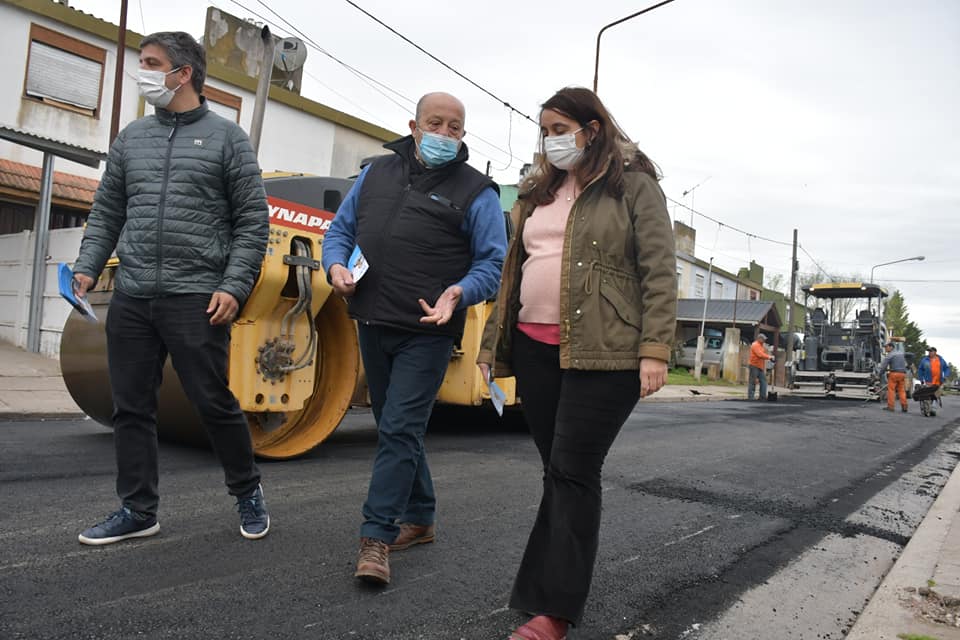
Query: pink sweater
point(543, 240)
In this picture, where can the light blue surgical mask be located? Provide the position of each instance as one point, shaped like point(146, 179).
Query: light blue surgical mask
point(436, 149)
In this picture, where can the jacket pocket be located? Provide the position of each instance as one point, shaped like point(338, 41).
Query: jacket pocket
point(622, 292)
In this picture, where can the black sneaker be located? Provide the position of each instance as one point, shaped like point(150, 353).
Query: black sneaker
point(254, 519)
point(121, 525)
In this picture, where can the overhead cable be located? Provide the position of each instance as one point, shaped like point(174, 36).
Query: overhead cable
point(414, 44)
point(373, 82)
point(723, 224)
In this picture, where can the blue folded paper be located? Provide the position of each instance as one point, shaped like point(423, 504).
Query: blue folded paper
point(68, 292)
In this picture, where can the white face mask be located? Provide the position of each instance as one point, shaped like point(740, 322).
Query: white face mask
point(562, 151)
point(153, 87)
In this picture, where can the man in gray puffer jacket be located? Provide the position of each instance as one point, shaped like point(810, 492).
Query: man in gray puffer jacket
point(182, 201)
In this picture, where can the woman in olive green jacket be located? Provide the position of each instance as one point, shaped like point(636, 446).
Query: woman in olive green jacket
point(585, 321)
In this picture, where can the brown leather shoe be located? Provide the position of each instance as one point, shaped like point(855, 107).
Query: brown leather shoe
point(542, 628)
point(411, 534)
point(373, 565)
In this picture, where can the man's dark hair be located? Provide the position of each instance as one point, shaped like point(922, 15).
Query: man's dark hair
point(183, 51)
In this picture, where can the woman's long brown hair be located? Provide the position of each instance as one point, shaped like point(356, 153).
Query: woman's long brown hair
point(610, 151)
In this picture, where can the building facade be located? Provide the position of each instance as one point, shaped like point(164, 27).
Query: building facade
point(61, 63)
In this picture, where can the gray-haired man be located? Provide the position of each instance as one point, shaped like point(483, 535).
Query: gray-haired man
point(183, 203)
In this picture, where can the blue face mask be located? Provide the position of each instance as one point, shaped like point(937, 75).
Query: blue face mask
point(436, 149)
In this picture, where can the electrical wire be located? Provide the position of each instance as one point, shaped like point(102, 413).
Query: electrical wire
point(435, 58)
point(922, 281)
point(822, 270)
point(510, 155)
point(723, 224)
point(371, 81)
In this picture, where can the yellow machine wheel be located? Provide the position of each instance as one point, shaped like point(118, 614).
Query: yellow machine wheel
point(338, 364)
point(83, 361)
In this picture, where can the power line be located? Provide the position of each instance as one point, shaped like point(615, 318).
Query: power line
point(372, 82)
point(813, 260)
point(314, 43)
point(414, 44)
point(723, 224)
point(922, 281)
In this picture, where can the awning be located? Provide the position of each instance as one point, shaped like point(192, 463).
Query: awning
point(739, 312)
point(81, 155)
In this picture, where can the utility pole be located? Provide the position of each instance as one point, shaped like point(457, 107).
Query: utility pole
point(793, 293)
point(698, 357)
point(118, 72)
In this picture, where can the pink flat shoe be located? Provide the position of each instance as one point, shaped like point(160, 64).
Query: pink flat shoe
point(542, 628)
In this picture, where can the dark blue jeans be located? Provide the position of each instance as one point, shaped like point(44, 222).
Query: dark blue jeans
point(404, 372)
point(140, 334)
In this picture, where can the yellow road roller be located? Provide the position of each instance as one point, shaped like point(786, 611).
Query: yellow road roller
point(294, 360)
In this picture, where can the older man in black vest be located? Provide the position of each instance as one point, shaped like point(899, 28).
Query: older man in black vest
point(431, 229)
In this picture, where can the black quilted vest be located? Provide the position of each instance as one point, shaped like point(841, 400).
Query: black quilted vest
point(410, 229)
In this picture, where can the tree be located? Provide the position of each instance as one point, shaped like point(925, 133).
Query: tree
point(839, 310)
point(897, 318)
point(778, 282)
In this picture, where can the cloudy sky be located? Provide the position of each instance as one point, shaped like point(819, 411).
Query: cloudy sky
point(834, 117)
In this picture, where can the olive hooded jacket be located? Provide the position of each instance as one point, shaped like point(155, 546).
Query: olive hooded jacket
point(618, 282)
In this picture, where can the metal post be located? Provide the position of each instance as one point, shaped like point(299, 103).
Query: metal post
point(698, 358)
point(41, 237)
point(263, 89)
point(596, 62)
point(118, 72)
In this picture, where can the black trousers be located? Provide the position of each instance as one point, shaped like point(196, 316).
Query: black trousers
point(574, 417)
point(140, 334)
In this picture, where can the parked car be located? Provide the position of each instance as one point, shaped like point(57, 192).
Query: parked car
point(712, 349)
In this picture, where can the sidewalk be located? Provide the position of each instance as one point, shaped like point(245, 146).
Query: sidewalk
point(922, 586)
point(31, 387)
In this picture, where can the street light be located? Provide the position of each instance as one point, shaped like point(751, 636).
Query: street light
point(883, 264)
point(596, 63)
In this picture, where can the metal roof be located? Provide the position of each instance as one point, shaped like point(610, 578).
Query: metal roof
point(846, 290)
point(746, 312)
point(82, 155)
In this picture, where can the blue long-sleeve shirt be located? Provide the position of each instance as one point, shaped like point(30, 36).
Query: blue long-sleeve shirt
point(925, 371)
point(483, 223)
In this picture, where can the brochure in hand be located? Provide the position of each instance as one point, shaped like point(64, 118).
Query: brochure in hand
point(497, 396)
point(69, 293)
point(357, 264)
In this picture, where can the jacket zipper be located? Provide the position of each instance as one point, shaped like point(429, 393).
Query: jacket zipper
point(163, 196)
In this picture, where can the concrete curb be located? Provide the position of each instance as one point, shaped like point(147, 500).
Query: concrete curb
point(885, 617)
point(40, 416)
point(703, 398)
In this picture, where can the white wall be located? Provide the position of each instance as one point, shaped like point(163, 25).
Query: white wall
point(292, 140)
point(54, 122)
point(687, 283)
point(16, 272)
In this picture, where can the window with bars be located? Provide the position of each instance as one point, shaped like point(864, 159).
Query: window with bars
point(698, 285)
point(64, 72)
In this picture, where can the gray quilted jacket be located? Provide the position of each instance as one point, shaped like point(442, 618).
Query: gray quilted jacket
point(182, 201)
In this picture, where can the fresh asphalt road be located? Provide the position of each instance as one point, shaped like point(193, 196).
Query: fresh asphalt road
point(706, 505)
